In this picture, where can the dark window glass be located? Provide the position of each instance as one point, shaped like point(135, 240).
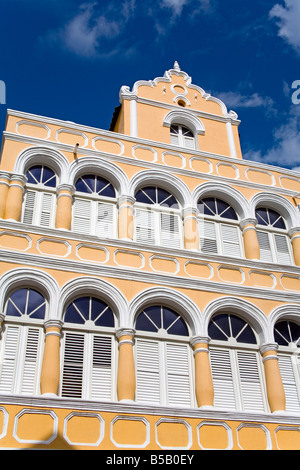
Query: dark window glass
point(40, 174)
point(155, 195)
point(83, 309)
point(286, 332)
point(156, 317)
point(225, 326)
point(26, 302)
point(93, 184)
point(214, 206)
point(269, 217)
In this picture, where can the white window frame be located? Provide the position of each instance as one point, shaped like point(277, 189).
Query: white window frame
point(37, 208)
point(155, 212)
point(219, 238)
point(289, 366)
point(86, 384)
point(21, 360)
point(180, 140)
point(233, 348)
point(162, 341)
point(273, 251)
point(90, 227)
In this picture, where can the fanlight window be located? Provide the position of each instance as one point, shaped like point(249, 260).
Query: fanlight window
point(157, 218)
point(22, 342)
point(94, 209)
point(272, 236)
point(236, 365)
point(163, 358)
point(88, 350)
point(219, 231)
point(287, 335)
point(182, 136)
point(40, 199)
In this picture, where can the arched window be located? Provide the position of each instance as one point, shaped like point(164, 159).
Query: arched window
point(22, 342)
point(272, 236)
point(287, 336)
point(157, 217)
point(88, 350)
point(40, 199)
point(182, 136)
point(94, 210)
point(219, 230)
point(163, 358)
point(236, 365)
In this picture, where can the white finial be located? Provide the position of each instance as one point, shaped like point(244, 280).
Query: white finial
point(176, 66)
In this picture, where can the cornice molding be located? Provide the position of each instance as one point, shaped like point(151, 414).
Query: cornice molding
point(185, 172)
point(142, 409)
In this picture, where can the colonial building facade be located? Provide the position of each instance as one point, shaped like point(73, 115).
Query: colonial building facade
point(149, 284)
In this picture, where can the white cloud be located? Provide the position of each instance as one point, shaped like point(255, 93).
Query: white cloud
point(289, 19)
point(194, 5)
point(286, 148)
point(238, 100)
point(86, 31)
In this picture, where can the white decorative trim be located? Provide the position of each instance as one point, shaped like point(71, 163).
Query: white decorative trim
point(110, 140)
point(186, 118)
point(85, 415)
point(260, 426)
point(144, 147)
point(5, 422)
point(174, 421)
point(131, 418)
point(72, 132)
point(220, 424)
point(40, 412)
point(33, 124)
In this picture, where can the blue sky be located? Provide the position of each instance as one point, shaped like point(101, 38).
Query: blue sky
point(67, 59)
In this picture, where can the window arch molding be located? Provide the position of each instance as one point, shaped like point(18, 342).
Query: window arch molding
point(277, 203)
point(168, 298)
point(43, 156)
point(90, 286)
point(289, 312)
point(185, 118)
point(98, 167)
point(227, 194)
point(247, 311)
point(35, 279)
point(165, 180)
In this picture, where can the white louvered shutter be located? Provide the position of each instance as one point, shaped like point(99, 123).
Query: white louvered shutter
point(188, 142)
point(174, 139)
point(147, 372)
point(264, 246)
point(32, 361)
point(230, 240)
point(222, 379)
point(105, 220)
point(250, 382)
point(46, 209)
point(289, 383)
point(82, 216)
point(22, 349)
point(170, 232)
point(207, 235)
point(72, 375)
point(101, 368)
point(29, 207)
point(282, 249)
point(144, 226)
point(9, 352)
point(178, 375)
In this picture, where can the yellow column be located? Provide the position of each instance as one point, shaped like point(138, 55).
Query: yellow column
point(14, 200)
point(126, 381)
point(63, 218)
point(50, 374)
point(4, 186)
point(251, 245)
point(275, 390)
point(125, 218)
point(204, 388)
point(295, 240)
point(191, 234)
